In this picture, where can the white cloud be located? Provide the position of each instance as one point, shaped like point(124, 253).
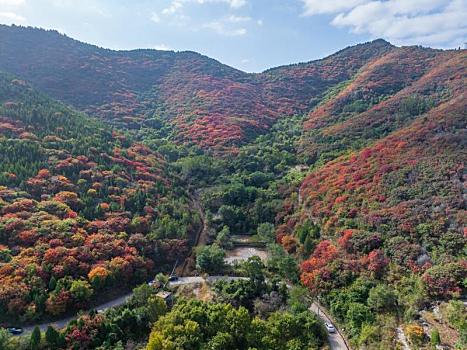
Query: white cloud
point(427, 22)
point(236, 3)
point(232, 3)
point(259, 22)
point(163, 47)
point(87, 7)
point(11, 2)
point(315, 7)
point(173, 7)
point(155, 17)
point(238, 19)
point(220, 28)
point(177, 4)
point(228, 25)
point(11, 18)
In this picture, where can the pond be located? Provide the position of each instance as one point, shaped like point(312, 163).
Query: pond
point(243, 253)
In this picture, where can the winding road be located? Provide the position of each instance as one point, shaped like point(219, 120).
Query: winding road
point(201, 238)
point(58, 324)
point(336, 340)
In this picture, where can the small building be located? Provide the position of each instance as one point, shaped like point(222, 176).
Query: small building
point(155, 284)
point(167, 297)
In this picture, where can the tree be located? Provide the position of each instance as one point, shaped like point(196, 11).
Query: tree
point(266, 232)
point(156, 341)
point(98, 276)
point(141, 295)
point(53, 338)
point(210, 259)
point(298, 299)
point(81, 290)
point(282, 263)
point(435, 338)
point(381, 298)
point(221, 341)
point(234, 217)
point(223, 238)
point(254, 268)
point(446, 280)
point(162, 278)
point(4, 339)
point(156, 307)
point(357, 315)
point(35, 339)
point(455, 313)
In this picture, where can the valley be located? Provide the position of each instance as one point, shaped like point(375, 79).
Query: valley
point(338, 182)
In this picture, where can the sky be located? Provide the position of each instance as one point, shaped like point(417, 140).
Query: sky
point(251, 35)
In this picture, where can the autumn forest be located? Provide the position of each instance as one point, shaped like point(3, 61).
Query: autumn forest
point(137, 175)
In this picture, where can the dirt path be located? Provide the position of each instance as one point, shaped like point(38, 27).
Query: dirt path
point(201, 237)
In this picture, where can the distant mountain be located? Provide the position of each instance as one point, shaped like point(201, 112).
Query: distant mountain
point(211, 104)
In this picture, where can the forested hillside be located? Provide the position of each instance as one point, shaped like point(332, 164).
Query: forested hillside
point(213, 105)
point(82, 208)
point(349, 170)
point(380, 219)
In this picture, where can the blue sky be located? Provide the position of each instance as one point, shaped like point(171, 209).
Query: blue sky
point(251, 35)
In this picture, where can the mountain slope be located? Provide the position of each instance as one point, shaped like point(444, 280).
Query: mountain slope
point(385, 95)
point(212, 105)
point(82, 209)
point(380, 219)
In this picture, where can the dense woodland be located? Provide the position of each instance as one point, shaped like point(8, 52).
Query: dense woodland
point(83, 209)
point(350, 169)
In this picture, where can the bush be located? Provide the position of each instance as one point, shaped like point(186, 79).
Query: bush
point(435, 338)
point(415, 334)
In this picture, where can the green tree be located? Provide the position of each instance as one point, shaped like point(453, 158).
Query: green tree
point(298, 299)
point(162, 278)
point(4, 339)
point(210, 259)
point(266, 232)
point(435, 338)
point(382, 298)
point(254, 268)
point(157, 341)
point(53, 338)
point(357, 315)
point(141, 294)
point(282, 263)
point(81, 290)
point(156, 307)
point(223, 238)
point(35, 339)
point(221, 341)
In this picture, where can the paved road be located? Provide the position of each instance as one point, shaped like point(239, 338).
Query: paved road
point(122, 299)
point(336, 341)
point(64, 321)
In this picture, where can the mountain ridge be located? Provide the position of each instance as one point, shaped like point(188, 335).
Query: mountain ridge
point(123, 85)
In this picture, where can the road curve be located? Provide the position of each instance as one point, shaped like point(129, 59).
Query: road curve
point(336, 340)
point(58, 324)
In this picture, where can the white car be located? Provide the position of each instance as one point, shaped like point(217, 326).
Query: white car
point(330, 328)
